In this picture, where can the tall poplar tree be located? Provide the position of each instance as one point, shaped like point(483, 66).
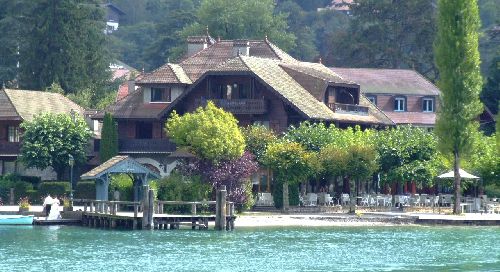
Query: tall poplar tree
point(460, 82)
point(65, 44)
point(108, 147)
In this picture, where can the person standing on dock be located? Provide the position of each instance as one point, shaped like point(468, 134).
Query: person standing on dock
point(47, 204)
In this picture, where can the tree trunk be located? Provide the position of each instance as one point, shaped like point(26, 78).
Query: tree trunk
point(286, 203)
point(456, 167)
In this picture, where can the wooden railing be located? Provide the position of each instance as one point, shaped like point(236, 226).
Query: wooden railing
point(146, 145)
point(237, 106)
point(112, 207)
point(9, 148)
point(348, 108)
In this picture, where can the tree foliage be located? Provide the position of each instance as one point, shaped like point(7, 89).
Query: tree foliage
point(65, 43)
point(109, 138)
point(457, 58)
point(387, 34)
point(49, 139)
point(408, 154)
point(289, 161)
point(242, 19)
point(257, 139)
point(210, 133)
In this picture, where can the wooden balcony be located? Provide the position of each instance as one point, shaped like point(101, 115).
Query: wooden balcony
point(9, 149)
point(348, 108)
point(237, 106)
point(129, 146)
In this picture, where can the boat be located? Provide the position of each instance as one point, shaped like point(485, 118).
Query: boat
point(16, 219)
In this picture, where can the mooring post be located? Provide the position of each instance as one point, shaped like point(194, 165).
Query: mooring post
point(11, 196)
point(220, 216)
point(151, 198)
point(145, 204)
point(193, 208)
point(91, 207)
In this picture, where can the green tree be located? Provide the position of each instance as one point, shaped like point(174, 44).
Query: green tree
point(490, 94)
point(66, 44)
point(242, 19)
point(313, 136)
point(211, 133)
point(109, 138)
point(49, 139)
point(408, 154)
point(457, 58)
point(290, 163)
point(387, 34)
point(257, 139)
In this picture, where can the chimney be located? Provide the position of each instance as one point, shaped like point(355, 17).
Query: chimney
point(196, 44)
point(241, 47)
point(130, 86)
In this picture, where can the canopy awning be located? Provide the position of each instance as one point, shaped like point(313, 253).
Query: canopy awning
point(462, 172)
point(119, 164)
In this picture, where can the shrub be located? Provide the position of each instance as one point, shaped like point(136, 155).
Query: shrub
point(181, 188)
point(123, 184)
point(13, 181)
point(85, 190)
point(492, 190)
point(293, 195)
point(54, 188)
point(35, 197)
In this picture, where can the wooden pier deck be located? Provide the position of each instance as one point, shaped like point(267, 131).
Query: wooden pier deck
point(108, 214)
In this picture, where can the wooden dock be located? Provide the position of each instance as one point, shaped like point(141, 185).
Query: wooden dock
point(150, 214)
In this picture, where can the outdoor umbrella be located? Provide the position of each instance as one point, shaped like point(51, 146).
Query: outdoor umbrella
point(462, 172)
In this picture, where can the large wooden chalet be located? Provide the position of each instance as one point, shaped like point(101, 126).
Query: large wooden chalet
point(253, 79)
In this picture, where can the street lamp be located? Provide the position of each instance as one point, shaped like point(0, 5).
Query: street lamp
point(71, 163)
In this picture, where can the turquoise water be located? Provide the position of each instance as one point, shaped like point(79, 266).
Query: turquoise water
point(69, 248)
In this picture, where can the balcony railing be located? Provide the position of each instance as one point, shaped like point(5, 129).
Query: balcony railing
point(9, 148)
point(145, 146)
point(348, 108)
point(237, 106)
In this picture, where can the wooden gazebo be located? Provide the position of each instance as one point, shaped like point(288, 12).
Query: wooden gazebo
point(116, 165)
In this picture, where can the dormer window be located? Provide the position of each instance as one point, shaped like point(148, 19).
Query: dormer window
point(428, 105)
point(372, 99)
point(400, 104)
point(160, 94)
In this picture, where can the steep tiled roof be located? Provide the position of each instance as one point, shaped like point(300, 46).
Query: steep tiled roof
point(132, 106)
point(275, 76)
point(104, 166)
point(271, 73)
point(27, 104)
point(388, 81)
point(221, 51)
point(7, 109)
point(168, 73)
point(232, 65)
point(420, 118)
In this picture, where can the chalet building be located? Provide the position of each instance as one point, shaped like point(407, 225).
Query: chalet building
point(405, 96)
point(113, 14)
point(17, 106)
point(254, 79)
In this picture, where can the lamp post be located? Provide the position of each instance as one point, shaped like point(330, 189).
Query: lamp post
point(71, 163)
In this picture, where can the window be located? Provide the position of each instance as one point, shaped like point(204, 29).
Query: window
point(13, 133)
point(372, 99)
point(262, 123)
point(242, 90)
point(399, 104)
point(428, 104)
point(160, 95)
point(143, 130)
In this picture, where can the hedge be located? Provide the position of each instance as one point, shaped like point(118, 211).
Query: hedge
point(85, 190)
point(54, 188)
point(13, 181)
point(293, 195)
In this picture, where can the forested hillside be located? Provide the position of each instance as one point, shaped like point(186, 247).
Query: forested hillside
point(375, 33)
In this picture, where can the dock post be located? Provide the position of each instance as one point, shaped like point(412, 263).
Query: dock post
point(193, 209)
point(91, 207)
point(11, 196)
point(151, 199)
point(220, 214)
point(145, 206)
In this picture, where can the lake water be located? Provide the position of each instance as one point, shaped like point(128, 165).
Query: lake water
point(70, 248)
